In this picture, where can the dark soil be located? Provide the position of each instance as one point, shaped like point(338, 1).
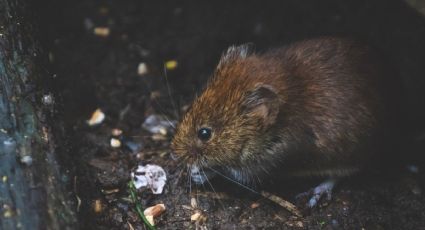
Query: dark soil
point(92, 71)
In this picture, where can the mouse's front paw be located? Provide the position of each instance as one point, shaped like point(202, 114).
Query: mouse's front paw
point(315, 194)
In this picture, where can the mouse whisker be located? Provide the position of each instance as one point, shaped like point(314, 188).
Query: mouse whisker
point(212, 188)
point(170, 122)
point(174, 158)
point(189, 179)
point(139, 136)
point(176, 113)
point(179, 169)
point(233, 181)
point(161, 109)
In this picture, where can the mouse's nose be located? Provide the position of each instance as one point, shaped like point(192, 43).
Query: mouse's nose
point(194, 152)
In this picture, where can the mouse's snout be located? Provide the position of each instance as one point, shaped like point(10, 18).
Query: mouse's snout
point(184, 150)
point(194, 152)
point(200, 175)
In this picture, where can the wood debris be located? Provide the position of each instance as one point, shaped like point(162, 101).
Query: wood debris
point(154, 211)
point(285, 204)
point(96, 118)
point(193, 202)
point(97, 206)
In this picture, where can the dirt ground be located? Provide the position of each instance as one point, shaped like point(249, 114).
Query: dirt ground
point(97, 69)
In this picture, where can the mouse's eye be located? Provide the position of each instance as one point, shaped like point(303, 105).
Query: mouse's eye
point(204, 134)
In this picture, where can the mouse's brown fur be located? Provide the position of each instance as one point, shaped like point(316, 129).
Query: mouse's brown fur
point(315, 107)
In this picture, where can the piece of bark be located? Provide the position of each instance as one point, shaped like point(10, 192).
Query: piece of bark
point(32, 195)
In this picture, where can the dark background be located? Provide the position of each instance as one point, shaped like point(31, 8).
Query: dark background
point(195, 33)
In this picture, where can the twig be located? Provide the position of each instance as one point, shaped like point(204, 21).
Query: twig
point(285, 204)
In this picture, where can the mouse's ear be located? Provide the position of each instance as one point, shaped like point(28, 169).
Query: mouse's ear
point(236, 52)
point(263, 103)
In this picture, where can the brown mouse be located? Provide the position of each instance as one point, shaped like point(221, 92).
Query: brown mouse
point(313, 108)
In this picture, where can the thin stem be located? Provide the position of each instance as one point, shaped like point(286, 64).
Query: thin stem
point(132, 189)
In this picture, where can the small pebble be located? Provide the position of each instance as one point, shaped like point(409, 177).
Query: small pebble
point(115, 143)
point(255, 205)
point(413, 168)
point(27, 160)
point(334, 223)
point(116, 132)
point(97, 206)
point(102, 31)
point(163, 131)
point(7, 211)
point(142, 69)
point(47, 99)
point(96, 118)
point(134, 147)
point(88, 24)
point(51, 57)
point(155, 94)
point(299, 224)
point(170, 65)
point(157, 124)
point(416, 190)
